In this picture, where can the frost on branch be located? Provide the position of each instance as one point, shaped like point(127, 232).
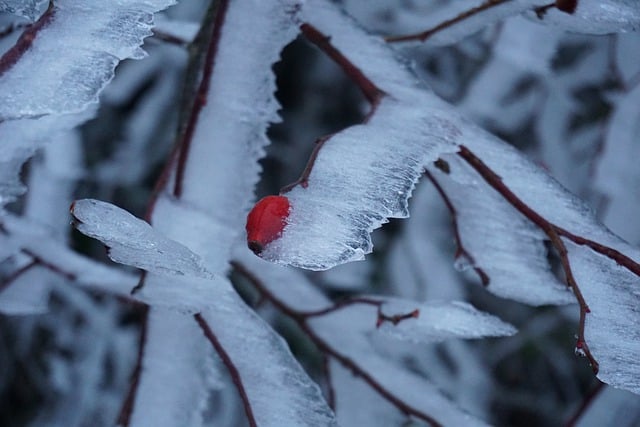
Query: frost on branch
point(372, 331)
point(29, 9)
point(496, 238)
point(447, 22)
point(67, 58)
point(363, 175)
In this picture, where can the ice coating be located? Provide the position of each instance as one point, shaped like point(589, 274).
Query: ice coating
point(179, 372)
point(134, 242)
point(498, 238)
point(439, 321)
point(68, 63)
point(590, 17)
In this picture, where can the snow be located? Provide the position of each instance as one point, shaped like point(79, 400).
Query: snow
point(598, 17)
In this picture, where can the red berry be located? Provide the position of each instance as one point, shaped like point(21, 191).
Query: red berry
point(266, 221)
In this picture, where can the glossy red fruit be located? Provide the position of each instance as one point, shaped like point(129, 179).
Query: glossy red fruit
point(266, 221)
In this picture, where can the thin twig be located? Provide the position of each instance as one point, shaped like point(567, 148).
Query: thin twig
point(301, 319)
point(371, 92)
point(422, 36)
point(461, 251)
point(17, 273)
point(126, 410)
point(331, 393)
point(175, 166)
point(586, 403)
point(201, 97)
point(340, 305)
point(553, 232)
point(231, 367)
point(323, 42)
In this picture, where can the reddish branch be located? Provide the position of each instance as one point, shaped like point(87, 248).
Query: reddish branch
point(127, 406)
point(304, 177)
point(16, 274)
point(394, 318)
point(13, 55)
point(201, 96)
point(568, 6)
point(586, 403)
point(368, 88)
point(179, 156)
point(371, 92)
point(422, 36)
point(301, 318)
point(552, 231)
point(231, 367)
point(461, 251)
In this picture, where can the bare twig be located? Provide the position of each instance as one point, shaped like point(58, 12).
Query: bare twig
point(169, 38)
point(231, 367)
point(339, 305)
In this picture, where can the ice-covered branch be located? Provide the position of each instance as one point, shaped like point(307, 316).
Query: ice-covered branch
point(440, 322)
point(231, 367)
